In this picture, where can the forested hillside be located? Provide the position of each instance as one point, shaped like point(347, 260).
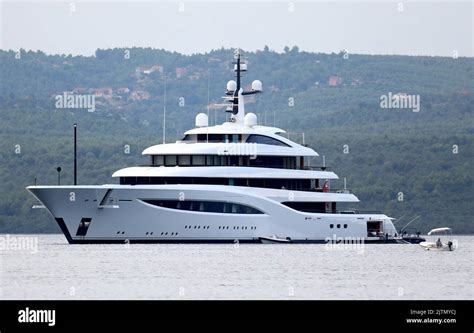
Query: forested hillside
point(335, 99)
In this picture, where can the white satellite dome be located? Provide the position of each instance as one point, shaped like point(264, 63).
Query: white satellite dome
point(250, 119)
point(231, 85)
point(257, 85)
point(201, 120)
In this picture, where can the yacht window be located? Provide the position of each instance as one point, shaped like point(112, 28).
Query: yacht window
point(215, 137)
point(205, 206)
point(170, 160)
point(266, 140)
point(268, 161)
point(184, 160)
point(214, 160)
point(199, 160)
point(158, 160)
point(234, 160)
point(307, 206)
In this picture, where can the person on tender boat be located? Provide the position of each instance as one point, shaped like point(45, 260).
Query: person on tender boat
point(439, 243)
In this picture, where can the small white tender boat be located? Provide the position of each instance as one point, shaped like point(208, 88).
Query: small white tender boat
point(440, 245)
point(274, 239)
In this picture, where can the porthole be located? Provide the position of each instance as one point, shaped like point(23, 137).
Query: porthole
point(331, 226)
point(345, 226)
point(151, 233)
point(118, 232)
point(123, 232)
point(338, 226)
point(162, 233)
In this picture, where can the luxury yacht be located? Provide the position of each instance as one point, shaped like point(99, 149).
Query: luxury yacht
point(235, 182)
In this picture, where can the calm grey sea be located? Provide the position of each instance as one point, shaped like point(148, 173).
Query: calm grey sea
point(52, 269)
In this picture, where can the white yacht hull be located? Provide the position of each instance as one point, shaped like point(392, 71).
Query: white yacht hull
point(117, 214)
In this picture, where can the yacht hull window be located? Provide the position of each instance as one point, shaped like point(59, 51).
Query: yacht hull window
point(205, 206)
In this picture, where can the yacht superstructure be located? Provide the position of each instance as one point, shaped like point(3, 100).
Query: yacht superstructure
point(235, 182)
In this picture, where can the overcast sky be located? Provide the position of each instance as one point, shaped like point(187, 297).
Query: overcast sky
point(417, 28)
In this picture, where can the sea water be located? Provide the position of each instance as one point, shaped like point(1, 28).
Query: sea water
point(46, 267)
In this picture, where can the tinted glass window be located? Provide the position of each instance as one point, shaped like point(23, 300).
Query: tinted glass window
point(309, 207)
point(170, 160)
point(199, 160)
point(184, 160)
point(205, 206)
point(158, 160)
point(265, 140)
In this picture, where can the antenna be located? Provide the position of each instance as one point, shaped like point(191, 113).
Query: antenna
point(58, 169)
point(398, 220)
point(208, 98)
point(75, 154)
point(164, 113)
point(406, 225)
point(238, 71)
point(235, 93)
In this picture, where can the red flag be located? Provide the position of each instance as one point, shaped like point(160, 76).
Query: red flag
point(326, 186)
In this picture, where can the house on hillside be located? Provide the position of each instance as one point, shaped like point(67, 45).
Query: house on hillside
point(80, 90)
point(334, 80)
point(148, 70)
point(181, 72)
point(139, 95)
point(103, 92)
point(123, 90)
point(194, 76)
